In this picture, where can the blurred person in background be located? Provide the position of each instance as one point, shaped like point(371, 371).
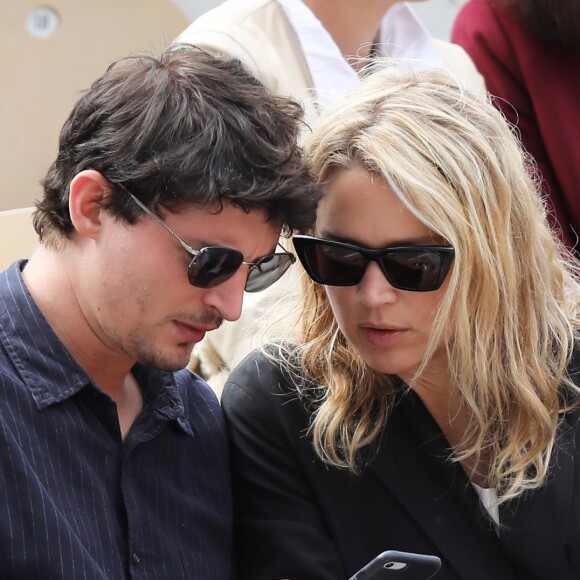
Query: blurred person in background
point(529, 53)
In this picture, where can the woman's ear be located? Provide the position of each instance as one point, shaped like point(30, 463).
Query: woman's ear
point(88, 190)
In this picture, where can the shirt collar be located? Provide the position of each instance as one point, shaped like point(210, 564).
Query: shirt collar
point(401, 35)
point(46, 366)
point(42, 361)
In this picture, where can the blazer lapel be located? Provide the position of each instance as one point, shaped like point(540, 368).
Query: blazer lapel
point(412, 461)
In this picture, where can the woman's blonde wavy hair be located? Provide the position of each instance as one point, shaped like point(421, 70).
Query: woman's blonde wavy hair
point(509, 318)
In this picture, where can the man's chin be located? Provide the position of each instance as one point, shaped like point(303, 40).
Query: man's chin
point(168, 362)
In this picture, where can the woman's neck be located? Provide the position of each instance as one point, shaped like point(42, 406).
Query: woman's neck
point(448, 409)
point(447, 406)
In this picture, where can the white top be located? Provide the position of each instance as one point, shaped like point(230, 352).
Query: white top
point(488, 498)
point(401, 35)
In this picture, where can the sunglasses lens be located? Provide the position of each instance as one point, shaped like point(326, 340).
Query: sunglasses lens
point(413, 270)
point(267, 271)
point(212, 266)
point(332, 265)
point(416, 269)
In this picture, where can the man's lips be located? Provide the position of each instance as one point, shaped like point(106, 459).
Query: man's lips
point(190, 332)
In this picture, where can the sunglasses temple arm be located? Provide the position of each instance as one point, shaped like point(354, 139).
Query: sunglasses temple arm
point(186, 246)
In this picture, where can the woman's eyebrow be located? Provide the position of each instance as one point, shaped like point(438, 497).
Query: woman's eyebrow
point(426, 240)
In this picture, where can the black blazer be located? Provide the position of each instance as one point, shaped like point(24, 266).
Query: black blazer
point(298, 518)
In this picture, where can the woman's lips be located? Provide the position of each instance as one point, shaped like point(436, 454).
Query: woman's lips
point(380, 336)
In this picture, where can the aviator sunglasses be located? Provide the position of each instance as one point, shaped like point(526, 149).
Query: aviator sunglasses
point(214, 265)
point(412, 268)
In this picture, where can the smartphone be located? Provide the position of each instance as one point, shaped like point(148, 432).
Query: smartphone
point(393, 565)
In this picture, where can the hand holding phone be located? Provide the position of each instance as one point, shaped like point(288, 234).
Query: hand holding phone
point(394, 565)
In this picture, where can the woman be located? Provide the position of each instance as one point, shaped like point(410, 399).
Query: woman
point(428, 403)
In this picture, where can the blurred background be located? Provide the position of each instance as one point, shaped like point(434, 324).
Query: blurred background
point(52, 51)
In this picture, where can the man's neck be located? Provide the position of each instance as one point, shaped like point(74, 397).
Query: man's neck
point(353, 25)
point(47, 277)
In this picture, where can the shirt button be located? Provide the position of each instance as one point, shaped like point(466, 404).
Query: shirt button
point(135, 558)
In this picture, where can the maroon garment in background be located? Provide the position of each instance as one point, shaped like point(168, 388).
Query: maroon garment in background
point(539, 89)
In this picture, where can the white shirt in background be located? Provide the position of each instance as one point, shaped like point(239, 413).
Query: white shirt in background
point(401, 35)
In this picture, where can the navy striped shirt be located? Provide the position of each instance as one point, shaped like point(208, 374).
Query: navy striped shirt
point(76, 501)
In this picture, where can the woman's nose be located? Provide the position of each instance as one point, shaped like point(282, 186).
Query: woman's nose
point(374, 289)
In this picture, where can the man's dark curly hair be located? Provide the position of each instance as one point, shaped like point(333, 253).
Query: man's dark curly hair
point(182, 128)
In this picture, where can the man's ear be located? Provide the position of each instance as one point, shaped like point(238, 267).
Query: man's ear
point(88, 190)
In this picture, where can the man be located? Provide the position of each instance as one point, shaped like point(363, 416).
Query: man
point(175, 175)
point(311, 50)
